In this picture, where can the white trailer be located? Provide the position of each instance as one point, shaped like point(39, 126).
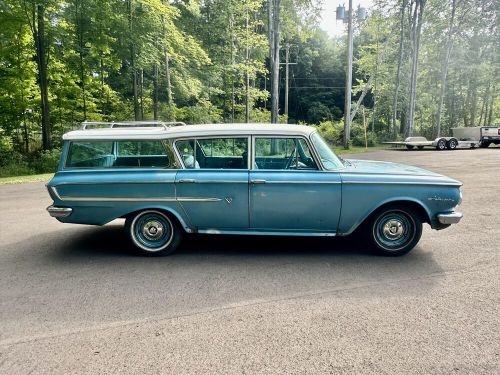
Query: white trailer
point(471, 137)
point(442, 143)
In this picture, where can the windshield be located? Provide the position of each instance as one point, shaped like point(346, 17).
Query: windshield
point(328, 158)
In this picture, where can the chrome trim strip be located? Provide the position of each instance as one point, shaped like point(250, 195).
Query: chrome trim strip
point(186, 199)
point(267, 233)
point(304, 182)
point(127, 199)
point(451, 218)
point(56, 194)
point(211, 181)
point(114, 183)
point(398, 183)
point(59, 211)
point(116, 199)
point(122, 199)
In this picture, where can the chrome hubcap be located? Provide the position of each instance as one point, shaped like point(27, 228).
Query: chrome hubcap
point(393, 229)
point(152, 230)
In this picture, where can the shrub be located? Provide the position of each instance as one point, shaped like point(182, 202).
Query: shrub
point(47, 161)
point(358, 136)
point(14, 164)
point(332, 132)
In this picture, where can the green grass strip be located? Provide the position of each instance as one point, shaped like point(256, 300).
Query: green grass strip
point(23, 179)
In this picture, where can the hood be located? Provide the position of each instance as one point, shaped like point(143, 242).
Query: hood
point(384, 167)
point(393, 169)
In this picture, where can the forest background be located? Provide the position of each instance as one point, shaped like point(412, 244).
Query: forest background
point(420, 67)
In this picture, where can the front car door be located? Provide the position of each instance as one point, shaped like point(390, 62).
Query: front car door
point(213, 186)
point(288, 189)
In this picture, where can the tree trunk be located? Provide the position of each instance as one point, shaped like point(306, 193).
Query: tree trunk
point(275, 71)
point(79, 22)
point(41, 58)
point(155, 92)
point(141, 92)
point(132, 60)
point(416, 31)
point(247, 75)
point(398, 72)
point(270, 39)
point(170, 99)
point(449, 44)
point(488, 119)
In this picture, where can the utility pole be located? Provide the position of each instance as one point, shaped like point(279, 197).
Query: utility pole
point(348, 81)
point(287, 75)
point(275, 64)
point(287, 56)
point(347, 18)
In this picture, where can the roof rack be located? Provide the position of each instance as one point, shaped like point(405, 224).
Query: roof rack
point(122, 124)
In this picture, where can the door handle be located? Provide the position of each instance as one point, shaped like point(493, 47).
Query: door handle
point(258, 181)
point(186, 181)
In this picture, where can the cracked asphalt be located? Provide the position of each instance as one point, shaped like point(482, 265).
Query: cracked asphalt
point(74, 300)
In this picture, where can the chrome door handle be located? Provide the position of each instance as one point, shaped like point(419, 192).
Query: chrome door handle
point(186, 181)
point(258, 181)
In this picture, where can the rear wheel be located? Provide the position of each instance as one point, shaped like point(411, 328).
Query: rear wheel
point(409, 147)
point(452, 144)
point(484, 144)
point(420, 147)
point(441, 144)
point(394, 231)
point(153, 233)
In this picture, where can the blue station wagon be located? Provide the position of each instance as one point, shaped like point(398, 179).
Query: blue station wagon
point(168, 179)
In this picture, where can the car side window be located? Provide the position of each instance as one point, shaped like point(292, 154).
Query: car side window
point(214, 153)
point(283, 153)
point(119, 154)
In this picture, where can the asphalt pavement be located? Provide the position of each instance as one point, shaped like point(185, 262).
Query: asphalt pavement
point(73, 299)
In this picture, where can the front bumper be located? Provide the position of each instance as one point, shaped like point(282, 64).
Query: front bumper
point(450, 218)
point(59, 211)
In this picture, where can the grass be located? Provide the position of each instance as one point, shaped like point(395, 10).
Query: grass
point(358, 149)
point(22, 179)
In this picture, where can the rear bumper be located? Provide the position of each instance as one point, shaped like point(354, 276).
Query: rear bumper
point(59, 211)
point(450, 218)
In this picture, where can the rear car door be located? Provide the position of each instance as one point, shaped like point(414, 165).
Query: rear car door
point(213, 186)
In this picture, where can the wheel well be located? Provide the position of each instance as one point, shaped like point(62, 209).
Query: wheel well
point(414, 206)
point(168, 213)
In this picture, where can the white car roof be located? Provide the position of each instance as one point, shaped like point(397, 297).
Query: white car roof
point(188, 131)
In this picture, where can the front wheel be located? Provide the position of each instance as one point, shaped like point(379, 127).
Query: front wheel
point(395, 231)
point(153, 233)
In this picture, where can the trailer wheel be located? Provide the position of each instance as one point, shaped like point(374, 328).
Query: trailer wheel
point(441, 144)
point(409, 147)
point(420, 147)
point(452, 144)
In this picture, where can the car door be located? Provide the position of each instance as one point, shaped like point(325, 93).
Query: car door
point(213, 186)
point(288, 190)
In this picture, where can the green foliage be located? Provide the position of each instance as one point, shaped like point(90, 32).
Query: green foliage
point(332, 132)
point(47, 161)
point(358, 136)
point(203, 61)
point(14, 164)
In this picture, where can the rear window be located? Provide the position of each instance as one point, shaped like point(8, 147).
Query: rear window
point(119, 154)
